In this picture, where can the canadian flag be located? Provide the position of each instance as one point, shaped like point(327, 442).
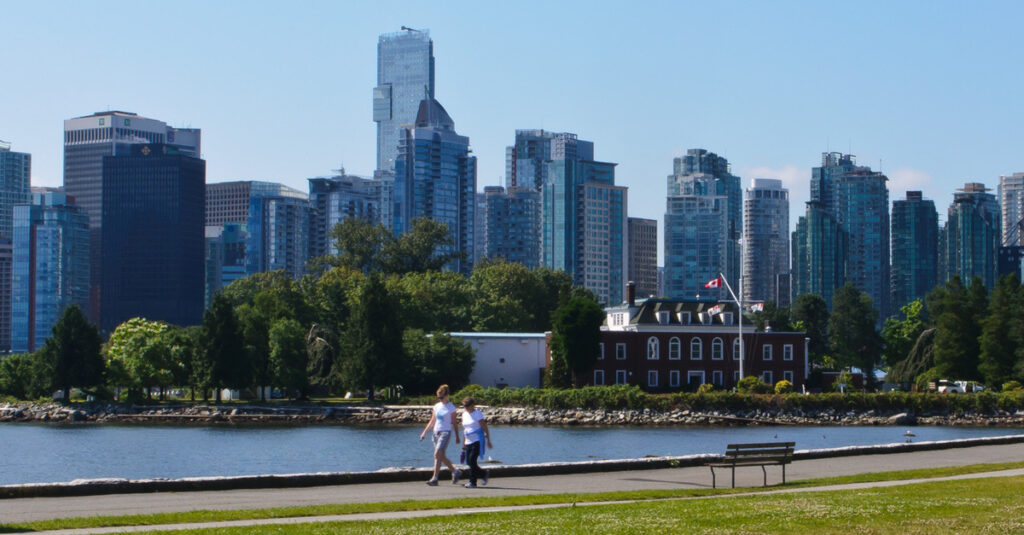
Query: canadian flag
point(717, 309)
point(714, 283)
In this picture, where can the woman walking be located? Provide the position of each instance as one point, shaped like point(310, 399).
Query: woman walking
point(476, 434)
point(442, 419)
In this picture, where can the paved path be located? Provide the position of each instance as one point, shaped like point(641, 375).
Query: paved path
point(30, 509)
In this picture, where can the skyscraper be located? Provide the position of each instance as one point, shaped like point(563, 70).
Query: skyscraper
point(915, 240)
point(1011, 203)
point(405, 76)
point(435, 177)
point(765, 240)
point(51, 265)
point(277, 234)
point(153, 199)
point(334, 199)
point(971, 235)
point(513, 225)
point(703, 221)
point(15, 174)
point(643, 255)
point(526, 162)
point(87, 140)
point(584, 221)
point(225, 257)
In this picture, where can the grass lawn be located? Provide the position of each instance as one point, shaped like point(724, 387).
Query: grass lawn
point(845, 509)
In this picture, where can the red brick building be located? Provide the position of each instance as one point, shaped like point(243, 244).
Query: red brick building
point(671, 345)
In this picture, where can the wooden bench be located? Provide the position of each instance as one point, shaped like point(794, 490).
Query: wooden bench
point(759, 454)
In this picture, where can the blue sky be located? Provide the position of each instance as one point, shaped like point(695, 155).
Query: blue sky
point(929, 91)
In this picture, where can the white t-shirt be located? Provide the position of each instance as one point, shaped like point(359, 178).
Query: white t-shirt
point(444, 414)
point(471, 426)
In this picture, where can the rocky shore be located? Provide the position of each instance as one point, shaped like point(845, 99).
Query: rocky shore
point(201, 414)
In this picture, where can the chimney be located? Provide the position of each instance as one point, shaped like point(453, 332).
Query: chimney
point(631, 293)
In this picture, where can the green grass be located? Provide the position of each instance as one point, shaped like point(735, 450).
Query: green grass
point(536, 499)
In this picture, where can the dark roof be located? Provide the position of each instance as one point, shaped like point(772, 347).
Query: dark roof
point(433, 114)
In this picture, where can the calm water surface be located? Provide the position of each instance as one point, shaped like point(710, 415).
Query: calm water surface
point(35, 453)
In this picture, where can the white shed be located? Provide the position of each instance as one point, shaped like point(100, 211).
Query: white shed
point(506, 359)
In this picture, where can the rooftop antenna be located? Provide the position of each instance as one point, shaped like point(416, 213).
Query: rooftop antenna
point(408, 29)
point(341, 171)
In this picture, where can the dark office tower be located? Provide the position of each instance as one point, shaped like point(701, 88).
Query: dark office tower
point(334, 199)
point(435, 177)
point(703, 223)
point(915, 240)
point(513, 225)
point(643, 255)
point(87, 140)
point(153, 199)
point(15, 174)
point(765, 240)
point(846, 235)
point(972, 235)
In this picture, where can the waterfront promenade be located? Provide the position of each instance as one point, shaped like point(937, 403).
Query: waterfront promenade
point(31, 509)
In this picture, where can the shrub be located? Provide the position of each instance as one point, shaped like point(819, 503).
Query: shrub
point(1012, 386)
point(752, 385)
point(705, 388)
point(783, 387)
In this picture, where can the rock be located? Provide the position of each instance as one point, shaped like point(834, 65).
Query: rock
point(902, 418)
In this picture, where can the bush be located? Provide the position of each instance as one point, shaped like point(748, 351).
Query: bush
point(783, 387)
point(752, 385)
point(1012, 386)
point(705, 388)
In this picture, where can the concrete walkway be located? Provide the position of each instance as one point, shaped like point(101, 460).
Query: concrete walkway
point(32, 509)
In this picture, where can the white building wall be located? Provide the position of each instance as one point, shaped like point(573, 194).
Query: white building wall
point(506, 359)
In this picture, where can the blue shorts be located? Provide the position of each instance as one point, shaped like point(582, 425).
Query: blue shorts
point(441, 439)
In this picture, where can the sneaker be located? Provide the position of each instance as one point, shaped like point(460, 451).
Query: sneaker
point(432, 482)
point(470, 486)
point(486, 478)
point(455, 476)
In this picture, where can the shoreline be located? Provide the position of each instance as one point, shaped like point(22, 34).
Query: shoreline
point(208, 414)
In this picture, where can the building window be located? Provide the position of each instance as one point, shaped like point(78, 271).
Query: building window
point(652, 378)
point(620, 351)
point(652, 348)
point(716, 378)
point(663, 317)
point(600, 352)
point(787, 352)
point(766, 376)
point(620, 377)
point(684, 318)
point(736, 377)
point(674, 348)
point(726, 318)
point(717, 349)
point(673, 378)
point(788, 376)
point(598, 377)
point(695, 377)
point(766, 352)
point(736, 348)
point(696, 349)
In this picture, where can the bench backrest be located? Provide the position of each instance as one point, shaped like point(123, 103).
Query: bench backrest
point(775, 452)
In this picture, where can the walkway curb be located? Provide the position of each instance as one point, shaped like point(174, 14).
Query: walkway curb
point(90, 487)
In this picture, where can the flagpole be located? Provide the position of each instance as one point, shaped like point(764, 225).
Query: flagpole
point(739, 312)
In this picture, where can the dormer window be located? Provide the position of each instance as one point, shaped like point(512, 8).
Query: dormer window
point(663, 316)
point(684, 318)
point(726, 318)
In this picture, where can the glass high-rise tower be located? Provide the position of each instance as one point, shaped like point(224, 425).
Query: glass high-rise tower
point(405, 76)
point(971, 235)
point(765, 240)
point(915, 240)
point(15, 175)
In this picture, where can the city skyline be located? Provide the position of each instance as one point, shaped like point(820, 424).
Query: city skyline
point(779, 87)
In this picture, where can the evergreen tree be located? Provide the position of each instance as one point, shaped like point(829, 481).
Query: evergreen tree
point(959, 329)
point(73, 353)
point(288, 357)
point(810, 314)
point(854, 341)
point(375, 355)
point(1000, 334)
point(436, 359)
point(576, 336)
point(225, 355)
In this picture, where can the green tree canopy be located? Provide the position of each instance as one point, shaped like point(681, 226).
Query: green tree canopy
point(374, 355)
point(773, 315)
point(223, 349)
point(19, 377)
point(288, 357)
point(901, 335)
point(959, 329)
point(73, 353)
point(436, 359)
point(854, 340)
point(428, 245)
point(810, 315)
point(1001, 332)
point(505, 293)
point(142, 350)
point(576, 336)
point(433, 300)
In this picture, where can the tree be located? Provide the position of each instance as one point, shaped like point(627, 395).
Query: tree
point(436, 359)
point(576, 335)
point(228, 364)
point(556, 290)
point(774, 316)
point(920, 359)
point(374, 356)
point(142, 353)
point(1001, 333)
point(959, 328)
point(810, 313)
point(428, 245)
point(320, 364)
point(360, 245)
point(854, 340)
point(901, 335)
point(433, 301)
point(503, 293)
point(73, 353)
point(18, 377)
point(288, 356)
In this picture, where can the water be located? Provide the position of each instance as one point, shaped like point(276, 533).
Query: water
point(38, 453)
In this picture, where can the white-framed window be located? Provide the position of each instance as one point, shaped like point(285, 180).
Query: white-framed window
point(706, 318)
point(600, 351)
point(736, 377)
point(766, 376)
point(674, 348)
point(684, 318)
point(787, 352)
point(673, 378)
point(717, 349)
point(695, 377)
point(652, 348)
point(652, 378)
point(663, 316)
point(787, 375)
point(620, 351)
point(736, 348)
point(726, 318)
point(620, 377)
point(598, 377)
point(696, 349)
point(716, 378)
point(766, 352)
